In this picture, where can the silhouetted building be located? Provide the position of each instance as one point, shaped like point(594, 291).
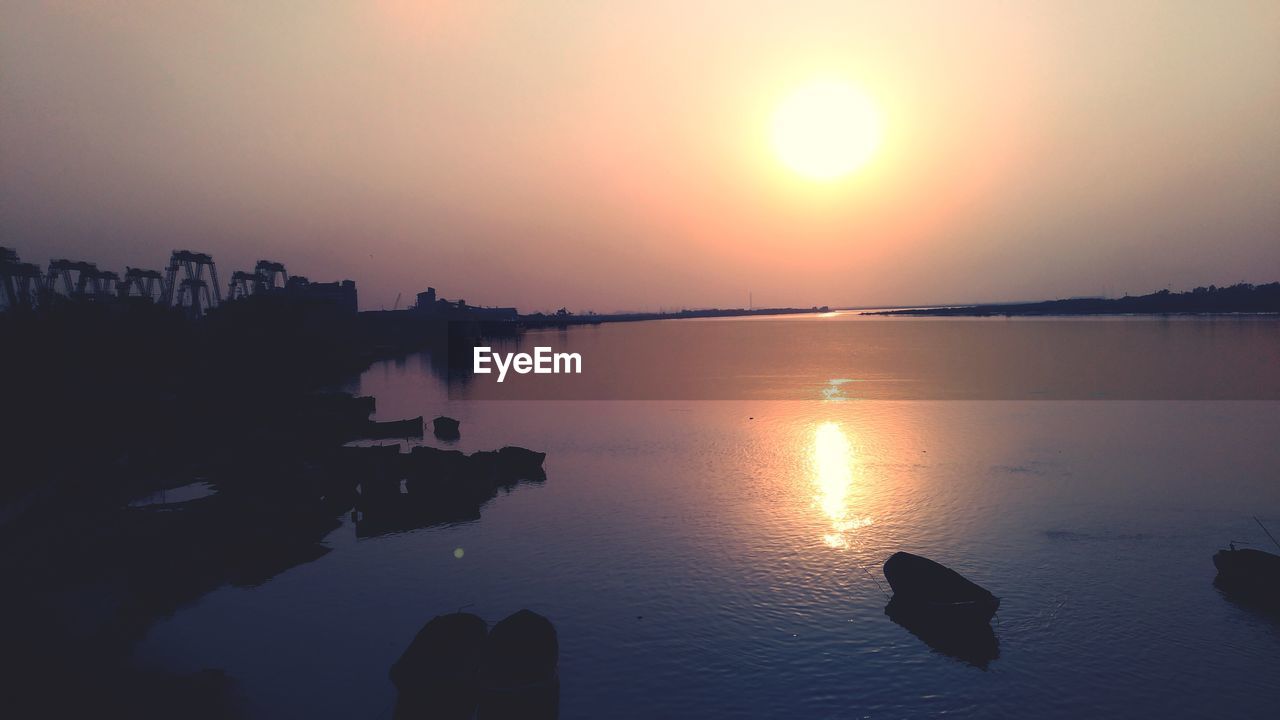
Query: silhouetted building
point(341, 294)
point(430, 304)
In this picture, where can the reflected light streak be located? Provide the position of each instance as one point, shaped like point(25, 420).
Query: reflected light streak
point(833, 479)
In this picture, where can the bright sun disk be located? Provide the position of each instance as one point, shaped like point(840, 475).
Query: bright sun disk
point(826, 130)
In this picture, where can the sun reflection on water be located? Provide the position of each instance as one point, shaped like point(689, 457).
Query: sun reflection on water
point(834, 481)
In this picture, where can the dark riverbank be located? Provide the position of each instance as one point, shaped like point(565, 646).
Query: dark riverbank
point(1242, 298)
point(110, 402)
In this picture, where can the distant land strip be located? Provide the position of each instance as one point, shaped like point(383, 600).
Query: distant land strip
point(1235, 299)
point(557, 319)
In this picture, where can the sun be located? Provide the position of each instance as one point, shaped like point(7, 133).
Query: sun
point(826, 130)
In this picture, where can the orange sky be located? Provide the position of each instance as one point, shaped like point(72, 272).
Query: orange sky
point(616, 155)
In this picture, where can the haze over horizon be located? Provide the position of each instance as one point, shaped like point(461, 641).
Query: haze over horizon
point(618, 157)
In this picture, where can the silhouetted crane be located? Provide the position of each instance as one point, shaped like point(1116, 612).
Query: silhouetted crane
point(21, 284)
point(192, 291)
point(267, 271)
point(148, 284)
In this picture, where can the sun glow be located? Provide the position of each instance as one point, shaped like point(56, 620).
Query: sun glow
point(826, 130)
point(833, 478)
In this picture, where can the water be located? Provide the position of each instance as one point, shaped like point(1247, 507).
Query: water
point(720, 559)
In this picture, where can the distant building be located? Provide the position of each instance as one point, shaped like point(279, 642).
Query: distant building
point(427, 300)
point(430, 304)
point(342, 295)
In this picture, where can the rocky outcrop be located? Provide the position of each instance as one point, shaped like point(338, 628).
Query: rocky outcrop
point(436, 675)
point(455, 668)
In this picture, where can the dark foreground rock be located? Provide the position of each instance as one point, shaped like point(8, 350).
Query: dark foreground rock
point(436, 675)
point(454, 668)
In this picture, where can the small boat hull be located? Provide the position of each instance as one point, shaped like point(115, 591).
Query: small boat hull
point(411, 428)
point(445, 428)
point(923, 586)
point(1248, 572)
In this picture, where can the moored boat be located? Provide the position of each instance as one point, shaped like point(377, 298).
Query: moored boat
point(445, 428)
point(1250, 571)
point(410, 428)
point(921, 585)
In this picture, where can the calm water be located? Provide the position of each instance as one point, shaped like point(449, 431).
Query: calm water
point(720, 558)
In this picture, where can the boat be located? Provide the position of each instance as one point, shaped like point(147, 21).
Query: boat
point(1249, 572)
point(924, 587)
point(445, 428)
point(392, 429)
point(1251, 575)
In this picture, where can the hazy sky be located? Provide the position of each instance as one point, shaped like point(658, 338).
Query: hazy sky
point(610, 155)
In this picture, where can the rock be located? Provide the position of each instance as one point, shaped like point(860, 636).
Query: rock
point(426, 461)
point(509, 465)
point(519, 675)
point(436, 675)
point(445, 428)
point(521, 460)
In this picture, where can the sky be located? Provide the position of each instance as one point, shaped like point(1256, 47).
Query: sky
point(617, 156)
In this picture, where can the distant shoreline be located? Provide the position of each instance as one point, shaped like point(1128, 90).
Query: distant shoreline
point(540, 320)
point(1242, 299)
